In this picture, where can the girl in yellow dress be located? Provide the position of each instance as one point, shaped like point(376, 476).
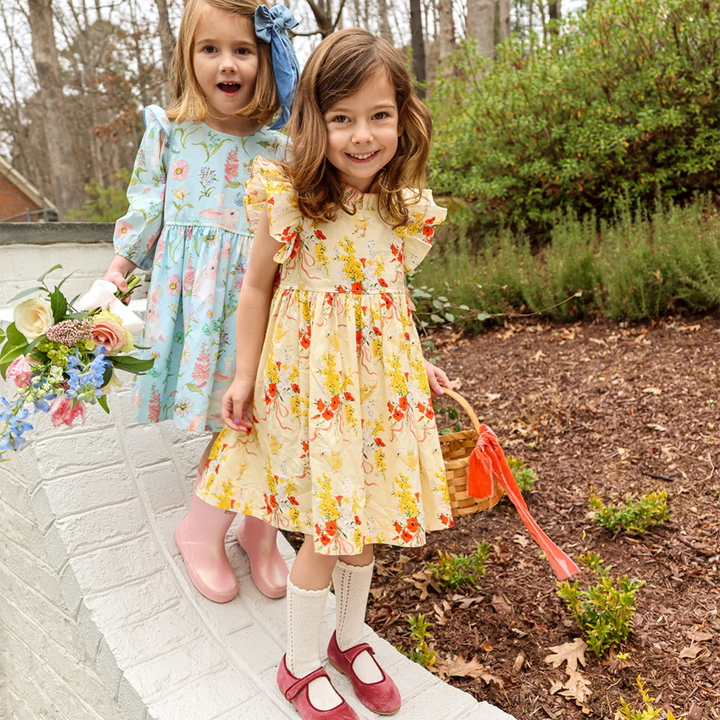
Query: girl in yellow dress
point(330, 427)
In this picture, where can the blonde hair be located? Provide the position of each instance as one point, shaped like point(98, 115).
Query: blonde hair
point(189, 103)
point(340, 66)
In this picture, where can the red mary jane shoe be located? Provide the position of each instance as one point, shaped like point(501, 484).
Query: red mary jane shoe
point(382, 697)
point(295, 690)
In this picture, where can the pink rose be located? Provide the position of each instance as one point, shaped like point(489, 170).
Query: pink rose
point(109, 331)
point(63, 411)
point(20, 371)
point(179, 170)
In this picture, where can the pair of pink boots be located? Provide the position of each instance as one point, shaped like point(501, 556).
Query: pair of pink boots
point(200, 537)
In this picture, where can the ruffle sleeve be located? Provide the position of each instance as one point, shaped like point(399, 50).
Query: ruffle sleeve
point(136, 233)
point(268, 189)
point(425, 216)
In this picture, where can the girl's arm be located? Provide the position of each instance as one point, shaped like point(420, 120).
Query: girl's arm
point(252, 319)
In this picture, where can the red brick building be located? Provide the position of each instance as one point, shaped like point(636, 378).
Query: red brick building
point(20, 200)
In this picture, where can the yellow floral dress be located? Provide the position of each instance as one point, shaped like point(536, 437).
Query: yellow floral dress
point(344, 445)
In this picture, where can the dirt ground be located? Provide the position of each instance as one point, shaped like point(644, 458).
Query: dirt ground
point(621, 408)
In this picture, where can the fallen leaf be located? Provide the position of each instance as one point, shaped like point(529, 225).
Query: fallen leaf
point(690, 652)
point(487, 647)
point(377, 593)
point(538, 356)
point(556, 687)
point(699, 636)
point(577, 687)
point(572, 653)
point(501, 605)
point(696, 713)
point(521, 540)
point(459, 667)
point(493, 396)
point(652, 391)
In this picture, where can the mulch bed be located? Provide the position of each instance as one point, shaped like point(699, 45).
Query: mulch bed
point(601, 405)
point(618, 407)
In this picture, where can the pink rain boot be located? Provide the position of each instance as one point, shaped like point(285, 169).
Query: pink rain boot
point(200, 538)
point(267, 567)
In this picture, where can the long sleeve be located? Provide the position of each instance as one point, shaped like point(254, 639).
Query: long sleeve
point(136, 233)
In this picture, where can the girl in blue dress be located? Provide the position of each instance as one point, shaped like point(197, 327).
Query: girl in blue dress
point(234, 68)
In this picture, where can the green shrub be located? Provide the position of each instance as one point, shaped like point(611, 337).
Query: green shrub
point(104, 204)
point(634, 516)
point(646, 713)
point(454, 571)
point(604, 611)
point(622, 106)
point(525, 477)
point(422, 653)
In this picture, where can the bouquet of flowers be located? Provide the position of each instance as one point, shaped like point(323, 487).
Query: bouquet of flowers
point(63, 354)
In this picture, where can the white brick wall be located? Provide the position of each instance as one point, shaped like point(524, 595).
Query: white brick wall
point(98, 618)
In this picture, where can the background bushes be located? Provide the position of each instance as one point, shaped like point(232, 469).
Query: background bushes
point(619, 109)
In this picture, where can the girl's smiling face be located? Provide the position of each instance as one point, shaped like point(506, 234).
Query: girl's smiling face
point(363, 131)
point(225, 60)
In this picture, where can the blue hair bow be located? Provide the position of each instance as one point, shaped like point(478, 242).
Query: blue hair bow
point(270, 27)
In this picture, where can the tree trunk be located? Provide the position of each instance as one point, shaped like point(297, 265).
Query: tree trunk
point(503, 9)
point(554, 10)
point(446, 35)
point(385, 30)
point(63, 171)
point(167, 43)
point(418, 45)
point(481, 25)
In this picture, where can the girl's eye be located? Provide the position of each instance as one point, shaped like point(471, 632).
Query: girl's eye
point(340, 119)
point(208, 49)
point(242, 51)
point(380, 116)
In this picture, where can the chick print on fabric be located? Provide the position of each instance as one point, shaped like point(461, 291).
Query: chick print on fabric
point(186, 221)
point(344, 444)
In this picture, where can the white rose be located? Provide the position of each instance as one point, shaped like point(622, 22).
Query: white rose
point(33, 317)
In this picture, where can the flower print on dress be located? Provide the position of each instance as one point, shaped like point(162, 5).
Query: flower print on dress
point(232, 169)
point(164, 231)
point(341, 385)
point(179, 170)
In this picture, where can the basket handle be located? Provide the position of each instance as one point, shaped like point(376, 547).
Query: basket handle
point(465, 405)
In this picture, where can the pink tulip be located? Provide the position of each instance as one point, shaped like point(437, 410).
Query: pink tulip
point(63, 411)
point(20, 371)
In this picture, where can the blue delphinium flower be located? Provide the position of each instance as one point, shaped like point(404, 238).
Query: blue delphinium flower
point(86, 383)
point(14, 419)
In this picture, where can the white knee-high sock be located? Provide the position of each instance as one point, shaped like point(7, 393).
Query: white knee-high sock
point(352, 587)
point(304, 615)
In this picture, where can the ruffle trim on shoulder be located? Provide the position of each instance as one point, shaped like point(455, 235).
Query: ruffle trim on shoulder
point(417, 235)
point(268, 189)
point(155, 115)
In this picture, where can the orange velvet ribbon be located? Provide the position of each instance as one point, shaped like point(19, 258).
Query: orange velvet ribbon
point(488, 465)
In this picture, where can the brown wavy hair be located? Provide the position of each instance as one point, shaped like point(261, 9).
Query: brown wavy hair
point(188, 100)
point(338, 67)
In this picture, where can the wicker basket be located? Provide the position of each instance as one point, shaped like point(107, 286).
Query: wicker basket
point(456, 449)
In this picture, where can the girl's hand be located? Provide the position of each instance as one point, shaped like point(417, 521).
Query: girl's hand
point(237, 405)
point(438, 379)
point(117, 271)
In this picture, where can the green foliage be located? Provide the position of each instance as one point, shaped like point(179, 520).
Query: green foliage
point(420, 633)
point(637, 266)
point(454, 571)
point(646, 713)
point(620, 107)
point(633, 516)
point(604, 611)
point(525, 477)
point(104, 204)
point(452, 415)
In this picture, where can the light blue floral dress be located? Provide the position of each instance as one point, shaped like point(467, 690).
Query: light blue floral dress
point(186, 222)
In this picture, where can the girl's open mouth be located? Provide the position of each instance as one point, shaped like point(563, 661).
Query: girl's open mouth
point(362, 157)
point(229, 88)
